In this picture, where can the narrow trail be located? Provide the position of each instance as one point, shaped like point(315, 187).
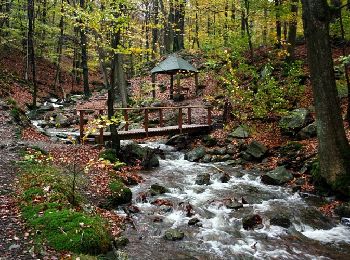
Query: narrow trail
point(14, 240)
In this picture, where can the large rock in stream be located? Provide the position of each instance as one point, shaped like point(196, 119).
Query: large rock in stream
point(132, 152)
point(174, 234)
point(278, 176)
point(196, 154)
point(203, 179)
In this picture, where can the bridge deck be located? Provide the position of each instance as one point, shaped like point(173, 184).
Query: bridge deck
point(139, 133)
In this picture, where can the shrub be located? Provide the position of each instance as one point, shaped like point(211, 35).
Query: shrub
point(109, 154)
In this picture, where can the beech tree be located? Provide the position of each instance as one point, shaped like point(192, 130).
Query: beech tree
point(333, 147)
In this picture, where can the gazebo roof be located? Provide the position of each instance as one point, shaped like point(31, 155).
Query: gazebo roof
point(173, 64)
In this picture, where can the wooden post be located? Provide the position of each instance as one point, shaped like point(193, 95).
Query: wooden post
point(146, 121)
point(180, 120)
point(178, 83)
point(126, 118)
point(209, 116)
point(153, 85)
point(81, 125)
point(189, 116)
point(171, 94)
point(101, 130)
point(161, 123)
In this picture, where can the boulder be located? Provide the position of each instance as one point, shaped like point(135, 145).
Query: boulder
point(174, 234)
point(157, 189)
point(256, 150)
point(209, 140)
point(203, 179)
point(195, 155)
point(121, 242)
point(281, 220)
point(133, 152)
point(278, 176)
point(233, 204)
point(193, 221)
point(120, 194)
point(180, 141)
point(308, 131)
point(343, 210)
point(252, 222)
point(207, 158)
point(295, 121)
point(62, 121)
point(239, 132)
point(225, 177)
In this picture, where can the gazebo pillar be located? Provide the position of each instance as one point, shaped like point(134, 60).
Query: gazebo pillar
point(171, 94)
point(153, 85)
point(178, 83)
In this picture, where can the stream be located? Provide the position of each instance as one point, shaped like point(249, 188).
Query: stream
point(220, 234)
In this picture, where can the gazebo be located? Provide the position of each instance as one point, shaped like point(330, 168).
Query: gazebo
point(173, 66)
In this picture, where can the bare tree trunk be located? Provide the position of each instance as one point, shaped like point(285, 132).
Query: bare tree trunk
point(179, 24)
point(278, 24)
point(30, 46)
point(59, 52)
point(196, 34)
point(112, 92)
point(292, 32)
point(247, 7)
point(155, 28)
point(84, 55)
point(333, 147)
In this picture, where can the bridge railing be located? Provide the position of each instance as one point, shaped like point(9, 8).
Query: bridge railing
point(147, 111)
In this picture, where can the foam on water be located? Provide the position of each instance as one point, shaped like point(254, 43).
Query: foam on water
point(337, 234)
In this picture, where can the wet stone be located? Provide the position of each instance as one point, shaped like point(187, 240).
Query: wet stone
point(174, 234)
point(281, 220)
point(203, 179)
point(193, 221)
point(233, 204)
point(225, 177)
point(278, 176)
point(157, 189)
point(252, 222)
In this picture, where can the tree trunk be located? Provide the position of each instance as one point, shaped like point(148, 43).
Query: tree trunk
point(247, 8)
point(196, 34)
point(333, 147)
point(155, 28)
point(59, 53)
point(292, 32)
point(84, 56)
point(278, 24)
point(179, 24)
point(168, 37)
point(111, 93)
point(30, 46)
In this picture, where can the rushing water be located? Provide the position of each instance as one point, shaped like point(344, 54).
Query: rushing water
point(222, 235)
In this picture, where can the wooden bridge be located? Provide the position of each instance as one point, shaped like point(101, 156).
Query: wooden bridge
point(184, 124)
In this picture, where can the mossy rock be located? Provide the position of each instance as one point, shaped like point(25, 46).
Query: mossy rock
point(120, 193)
point(174, 234)
point(73, 231)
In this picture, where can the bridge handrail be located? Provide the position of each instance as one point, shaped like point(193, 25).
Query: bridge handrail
point(146, 119)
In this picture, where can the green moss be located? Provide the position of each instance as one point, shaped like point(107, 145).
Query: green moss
point(31, 193)
point(73, 231)
point(109, 154)
point(120, 193)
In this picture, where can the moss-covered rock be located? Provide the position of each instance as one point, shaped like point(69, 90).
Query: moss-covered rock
point(174, 234)
point(73, 231)
point(121, 194)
